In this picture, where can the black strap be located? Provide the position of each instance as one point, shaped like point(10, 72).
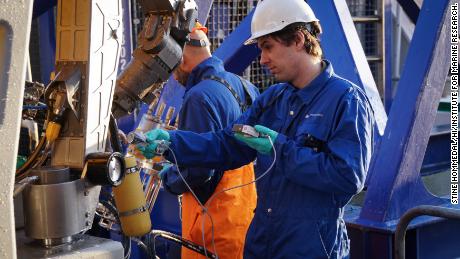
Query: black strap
point(248, 97)
point(243, 106)
point(196, 43)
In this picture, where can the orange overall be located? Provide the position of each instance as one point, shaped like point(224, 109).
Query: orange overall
point(231, 212)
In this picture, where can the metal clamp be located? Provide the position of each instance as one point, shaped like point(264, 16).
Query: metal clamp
point(131, 170)
point(132, 212)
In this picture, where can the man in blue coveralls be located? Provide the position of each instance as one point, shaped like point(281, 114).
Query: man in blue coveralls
point(213, 99)
point(314, 147)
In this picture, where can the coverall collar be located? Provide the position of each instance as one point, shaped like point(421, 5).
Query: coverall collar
point(211, 65)
point(308, 93)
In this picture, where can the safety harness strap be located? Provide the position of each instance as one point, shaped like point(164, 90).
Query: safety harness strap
point(247, 95)
point(243, 106)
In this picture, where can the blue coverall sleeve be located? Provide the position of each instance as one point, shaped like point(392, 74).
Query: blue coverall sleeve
point(343, 166)
point(198, 116)
point(219, 150)
point(194, 176)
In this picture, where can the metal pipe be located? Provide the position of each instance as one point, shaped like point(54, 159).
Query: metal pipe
point(423, 210)
point(374, 59)
point(367, 19)
point(19, 187)
point(156, 190)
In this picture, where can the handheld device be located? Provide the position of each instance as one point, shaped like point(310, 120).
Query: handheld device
point(246, 130)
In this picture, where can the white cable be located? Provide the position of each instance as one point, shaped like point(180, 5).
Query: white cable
point(205, 210)
point(201, 205)
point(255, 180)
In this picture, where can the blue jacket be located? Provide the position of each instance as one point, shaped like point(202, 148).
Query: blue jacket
point(208, 106)
point(300, 200)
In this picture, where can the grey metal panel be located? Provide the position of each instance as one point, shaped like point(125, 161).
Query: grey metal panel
point(58, 210)
point(89, 44)
point(104, 52)
point(15, 20)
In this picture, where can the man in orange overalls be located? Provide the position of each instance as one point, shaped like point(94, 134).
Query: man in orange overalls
point(213, 99)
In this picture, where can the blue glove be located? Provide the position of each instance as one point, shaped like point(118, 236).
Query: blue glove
point(163, 171)
point(262, 143)
point(152, 137)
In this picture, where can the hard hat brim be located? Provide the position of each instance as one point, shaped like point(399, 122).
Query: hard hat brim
point(254, 37)
point(250, 41)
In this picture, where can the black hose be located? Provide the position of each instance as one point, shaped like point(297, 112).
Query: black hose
point(183, 242)
point(20, 172)
point(145, 248)
point(113, 131)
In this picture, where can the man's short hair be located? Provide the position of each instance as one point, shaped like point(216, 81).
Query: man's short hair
point(311, 32)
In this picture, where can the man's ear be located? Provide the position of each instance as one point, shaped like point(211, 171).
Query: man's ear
point(185, 63)
point(300, 41)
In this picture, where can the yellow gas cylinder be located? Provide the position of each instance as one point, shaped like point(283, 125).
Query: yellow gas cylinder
point(130, 201)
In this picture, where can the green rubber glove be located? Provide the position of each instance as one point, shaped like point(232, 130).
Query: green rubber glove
point(262, 143)
point(153, 137)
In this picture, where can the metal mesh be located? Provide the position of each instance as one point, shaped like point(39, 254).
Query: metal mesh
point(362, 7)
point(356, 7)
point(369, 33)
point(224, 17)
point(374, 68)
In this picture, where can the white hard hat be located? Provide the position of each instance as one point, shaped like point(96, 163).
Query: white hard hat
point(273, 15)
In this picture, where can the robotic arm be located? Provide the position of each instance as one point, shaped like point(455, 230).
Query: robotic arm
point(160, 44)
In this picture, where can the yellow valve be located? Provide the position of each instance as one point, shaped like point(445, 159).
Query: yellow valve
point(130, 201)
point(52, 131)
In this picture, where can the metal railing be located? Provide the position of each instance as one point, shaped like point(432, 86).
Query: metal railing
point(423, 210)
point(224, 17)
